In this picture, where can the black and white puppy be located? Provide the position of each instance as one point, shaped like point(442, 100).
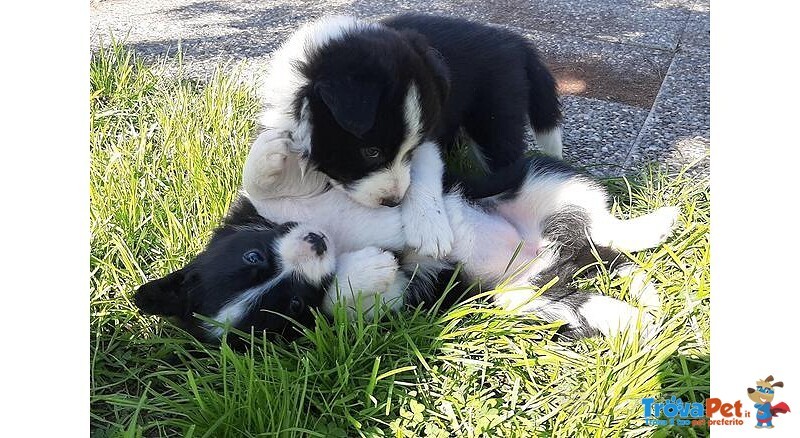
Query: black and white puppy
point(371, 105)
point(280, 255)
point(264, 277)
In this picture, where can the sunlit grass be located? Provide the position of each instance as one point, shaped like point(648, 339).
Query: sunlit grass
point(166, 161)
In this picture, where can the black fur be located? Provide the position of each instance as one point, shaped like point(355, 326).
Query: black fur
point(577, 257)
point(356, 89)
point(487, 80)
point(218, 275)
point(497, 84)
point(505, 183)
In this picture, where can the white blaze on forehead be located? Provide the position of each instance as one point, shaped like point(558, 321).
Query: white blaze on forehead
point(393, 181)
point(412, 114)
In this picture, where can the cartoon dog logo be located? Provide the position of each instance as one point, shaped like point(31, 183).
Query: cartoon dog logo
point(763, 396)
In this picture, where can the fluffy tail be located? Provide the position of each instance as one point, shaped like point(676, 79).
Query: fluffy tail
point(544, 108)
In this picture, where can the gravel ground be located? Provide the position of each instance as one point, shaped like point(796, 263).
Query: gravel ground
point(634, 73)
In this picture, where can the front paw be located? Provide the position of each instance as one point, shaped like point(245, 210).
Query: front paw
point(426, 226)
point(266, 162)
point(367, 271)
point(370, 275)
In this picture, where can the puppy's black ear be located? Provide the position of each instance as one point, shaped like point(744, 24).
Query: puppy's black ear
point(165, 296)
point(433, 60)
point(353, 103)
point(241, 213)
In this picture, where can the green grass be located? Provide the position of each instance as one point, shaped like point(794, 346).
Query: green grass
point(166, 158)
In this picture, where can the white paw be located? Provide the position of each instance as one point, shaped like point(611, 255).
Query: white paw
point(368, 270)
point(614, 318)
point(641, 288)
point(370, 276)
point(664, 221)
point(266, 161)
point(426, 225)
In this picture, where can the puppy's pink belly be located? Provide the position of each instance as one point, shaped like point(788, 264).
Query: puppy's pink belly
point(490, 249)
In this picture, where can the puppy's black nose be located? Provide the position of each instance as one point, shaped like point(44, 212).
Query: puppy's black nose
point(317, 242)
point(390, 202)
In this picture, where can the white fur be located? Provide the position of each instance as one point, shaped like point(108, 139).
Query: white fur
point(370, 274)
point(272, 170)
point(300, 258)
point(486, 242)
point(425, 223)
point(641, 288)
point(545, 194)
point(390, 183)
point(351, 225)
point(612, 317)
point(550, 142)
point(636, 234)
point(542, 195)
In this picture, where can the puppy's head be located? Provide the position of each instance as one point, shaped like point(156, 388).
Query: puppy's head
point(251, 277)
point(373, 95)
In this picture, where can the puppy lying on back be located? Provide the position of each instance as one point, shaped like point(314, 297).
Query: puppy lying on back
point(371, 105)
point(285, 256)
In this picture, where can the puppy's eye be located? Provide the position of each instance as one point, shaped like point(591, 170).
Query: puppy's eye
point(408, 155)
point(254, 257)
point(371, 153)
point(296, 305)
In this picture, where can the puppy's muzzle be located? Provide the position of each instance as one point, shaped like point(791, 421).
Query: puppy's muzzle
point(317, 242)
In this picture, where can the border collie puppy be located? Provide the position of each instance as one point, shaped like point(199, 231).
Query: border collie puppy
point(371, 105)
point(258, 275)
point(261, 263)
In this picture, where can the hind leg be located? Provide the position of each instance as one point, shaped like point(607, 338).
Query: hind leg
point(584, 313)
point(485, 242)
point(554, 190)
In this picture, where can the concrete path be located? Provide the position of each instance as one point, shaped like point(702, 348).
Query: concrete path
point(634, 74)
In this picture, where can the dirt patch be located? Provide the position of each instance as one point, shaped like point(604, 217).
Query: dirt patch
point(600, 81)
